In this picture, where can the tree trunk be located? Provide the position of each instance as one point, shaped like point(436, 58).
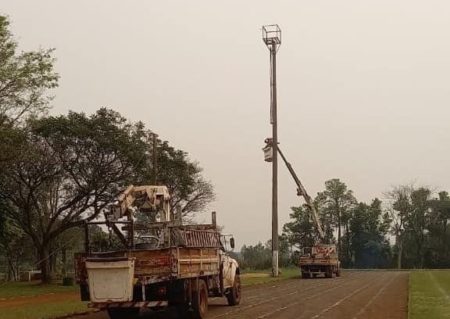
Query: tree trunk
point(347, 243)
point(64, 261)
point(11, 274)
point(339, 232)
point(44, 264)
point(400, 252)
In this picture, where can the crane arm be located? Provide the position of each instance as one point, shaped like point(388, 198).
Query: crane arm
point(146, 198)
point(301, 191)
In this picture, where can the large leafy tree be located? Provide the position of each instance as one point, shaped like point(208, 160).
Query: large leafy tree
point(369, 226)
point(400, 209)
point(336, 203)
point(438, 250)
point(69, 168)
point(25, 78)
point(414, 213)
point(300, 231)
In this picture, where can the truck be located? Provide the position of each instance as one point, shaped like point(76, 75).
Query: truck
point(156, 261)
point(322, 258)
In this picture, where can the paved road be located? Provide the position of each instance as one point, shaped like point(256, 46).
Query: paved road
point(364, 294)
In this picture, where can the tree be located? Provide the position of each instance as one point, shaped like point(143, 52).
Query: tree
point(301, 231)
point(70, 168)
point(411, 210)
point(368, 229)
point(335, 204)
point(417, 222)
point(438, 251)
point(256, 257)
point(188, 189)
point(24, 79)
point(14, 246)
point(400, 210)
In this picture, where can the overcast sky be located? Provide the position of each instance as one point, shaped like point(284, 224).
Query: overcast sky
point(364, 88)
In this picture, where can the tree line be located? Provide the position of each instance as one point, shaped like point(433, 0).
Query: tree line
point(57, 172)
point(410, 229)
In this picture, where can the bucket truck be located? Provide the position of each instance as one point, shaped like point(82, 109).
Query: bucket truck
point(322, 258)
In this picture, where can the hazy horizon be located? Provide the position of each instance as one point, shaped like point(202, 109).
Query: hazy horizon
point(363, 88)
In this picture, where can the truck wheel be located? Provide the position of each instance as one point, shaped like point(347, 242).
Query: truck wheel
point(306, 275)
point(234, 296)
point(338, 273)
point(123, 313)
point(200, 301)
point(329, 274)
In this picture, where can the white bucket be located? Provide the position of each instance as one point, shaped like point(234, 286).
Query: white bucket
point(110, 281)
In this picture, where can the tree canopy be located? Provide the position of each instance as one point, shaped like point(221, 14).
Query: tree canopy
point(69, 168)
point(25, 78)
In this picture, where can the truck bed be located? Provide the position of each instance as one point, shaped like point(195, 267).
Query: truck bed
point(155, 265)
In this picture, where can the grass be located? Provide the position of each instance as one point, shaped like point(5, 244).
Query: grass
point(249, 278)
point(24, 300)
point(19, 289)
point(43, 310)
point(429, 295)
point(44, 307)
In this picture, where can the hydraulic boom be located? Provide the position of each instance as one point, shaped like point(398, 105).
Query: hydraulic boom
point(301, 191)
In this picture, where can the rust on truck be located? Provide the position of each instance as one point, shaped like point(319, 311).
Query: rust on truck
point(321, 259)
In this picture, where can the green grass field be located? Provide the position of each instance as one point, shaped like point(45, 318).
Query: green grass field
point(23, 300)
point(429, 295)
point(43, 310)
point(16, 289)
point(260, 277)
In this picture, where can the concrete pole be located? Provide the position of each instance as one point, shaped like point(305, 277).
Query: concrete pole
point(273, 87)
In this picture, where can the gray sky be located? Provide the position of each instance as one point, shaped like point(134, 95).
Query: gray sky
point(364, 88)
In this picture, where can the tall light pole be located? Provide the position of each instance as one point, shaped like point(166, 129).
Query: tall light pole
point(271, 35)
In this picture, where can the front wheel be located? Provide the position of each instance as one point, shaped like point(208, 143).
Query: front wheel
point(234, 296)
point(123, 313)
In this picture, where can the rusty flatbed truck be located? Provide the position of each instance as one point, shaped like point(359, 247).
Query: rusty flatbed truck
point(167, 264)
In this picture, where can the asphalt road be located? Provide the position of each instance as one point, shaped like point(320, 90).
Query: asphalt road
point(357, 294)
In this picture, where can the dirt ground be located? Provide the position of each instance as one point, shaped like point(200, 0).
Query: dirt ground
point(357, 294)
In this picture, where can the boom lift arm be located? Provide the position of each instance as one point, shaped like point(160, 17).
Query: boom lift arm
point(146, 198)
point(301, 191)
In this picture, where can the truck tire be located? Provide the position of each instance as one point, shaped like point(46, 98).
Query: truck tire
point(329, 273)
point(338, 273)
point(306, 275)
point(200, 301)
point(123, 313)
point(234, 296)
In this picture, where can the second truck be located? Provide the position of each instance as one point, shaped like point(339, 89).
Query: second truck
point(322, 258)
